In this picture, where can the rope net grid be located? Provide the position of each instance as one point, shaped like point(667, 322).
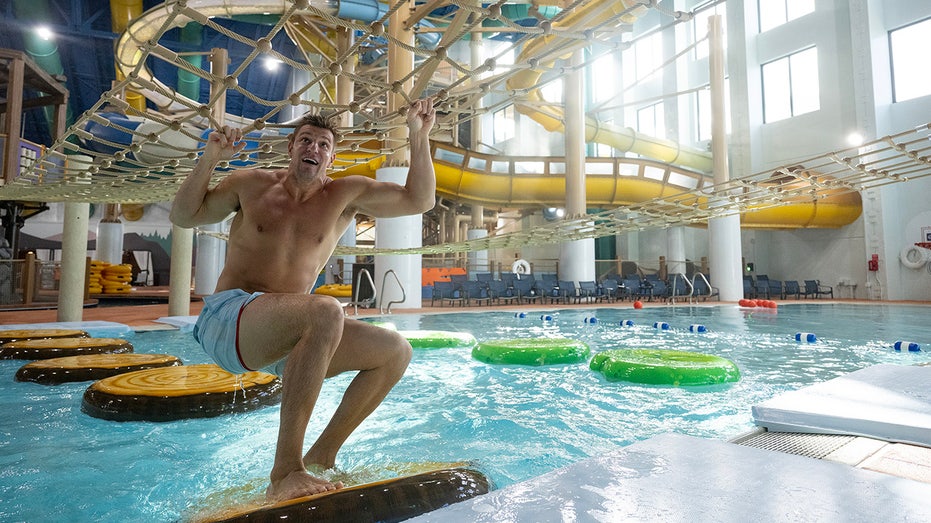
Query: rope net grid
point(143, 156)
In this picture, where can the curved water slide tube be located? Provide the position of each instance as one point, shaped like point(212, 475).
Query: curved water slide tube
point(472, 177)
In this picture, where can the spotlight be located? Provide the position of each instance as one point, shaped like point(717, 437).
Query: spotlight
point(45, 32)
point(271, 64)
point(854, 139)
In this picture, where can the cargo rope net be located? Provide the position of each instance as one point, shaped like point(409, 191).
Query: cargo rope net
point(151, 167)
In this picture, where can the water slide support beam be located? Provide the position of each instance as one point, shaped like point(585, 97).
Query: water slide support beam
point(577, 257)
point(404, 231)
point(723, 232)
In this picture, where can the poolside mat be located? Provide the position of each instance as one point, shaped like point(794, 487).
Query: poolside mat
point(673, 477)
point(887, 402)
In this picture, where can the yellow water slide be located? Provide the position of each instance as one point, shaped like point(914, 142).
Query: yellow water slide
point(516, 182)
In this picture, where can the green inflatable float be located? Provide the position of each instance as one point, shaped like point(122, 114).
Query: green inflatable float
point(531, 351)
point(664, 367)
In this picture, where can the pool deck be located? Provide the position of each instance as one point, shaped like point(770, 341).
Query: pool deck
point(866, 461)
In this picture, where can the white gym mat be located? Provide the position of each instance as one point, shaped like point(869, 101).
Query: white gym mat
point(673, 478)
point(887, 402)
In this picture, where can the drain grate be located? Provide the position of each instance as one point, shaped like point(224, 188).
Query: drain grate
point(810, 445)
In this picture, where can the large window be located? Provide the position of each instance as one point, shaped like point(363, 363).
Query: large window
point(909, 48)
point(504, 124)
point(774, 13)
point(651, 120)
point(790, 86)
point(642, 58)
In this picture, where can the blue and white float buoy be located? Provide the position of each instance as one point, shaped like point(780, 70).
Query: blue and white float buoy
point(906, 346)
point(697, 328)
point(626, 323)
point(591, 320)
point(546, 317)
point(806, 337)
point(520, 314)
point(661, 325)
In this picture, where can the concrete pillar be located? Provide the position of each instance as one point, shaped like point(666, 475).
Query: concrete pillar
point(211, 257)
point(401, 232)
point(576, 258)
point(73, 262)
point(179, 291)
point(723, 232)
point(110, 236)
point(211, 251)
point(675, 250)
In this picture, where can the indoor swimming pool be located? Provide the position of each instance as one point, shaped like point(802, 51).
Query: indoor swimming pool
point(511, 422)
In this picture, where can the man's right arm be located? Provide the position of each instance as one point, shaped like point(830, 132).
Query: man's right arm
point(195, 203)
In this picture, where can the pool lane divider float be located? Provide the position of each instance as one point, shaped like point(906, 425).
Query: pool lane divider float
point(805, 337)
point(426, 339)
point(395, 499)
point(46, 348)
point(531, 351)
point(173, 393)
point(906, 346)
point(91, 367)
point(664, 367)
point(758, 304)
point(7, 336)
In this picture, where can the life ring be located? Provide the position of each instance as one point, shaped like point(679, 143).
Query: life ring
point(173, 393)
point(43, 349)
point(7, 336)
point(90, 367)
point(905, 256)
point(394, 499)
point(531, 351)
point(439, 339)
point(664, 367)
point(335, 289)
point(520, 267)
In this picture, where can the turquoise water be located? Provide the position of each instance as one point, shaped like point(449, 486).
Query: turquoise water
point(58, 464)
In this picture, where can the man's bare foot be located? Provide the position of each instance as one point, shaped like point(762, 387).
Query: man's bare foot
point(298, 484)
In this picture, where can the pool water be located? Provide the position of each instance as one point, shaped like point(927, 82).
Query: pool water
point(512, 422)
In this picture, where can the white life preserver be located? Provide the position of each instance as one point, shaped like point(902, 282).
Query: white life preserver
point(520, 267)
point(913, 257)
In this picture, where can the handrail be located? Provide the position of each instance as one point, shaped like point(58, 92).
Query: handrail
point(384, 279)
point(707, 283)
point(358, 287)
point(672, 294)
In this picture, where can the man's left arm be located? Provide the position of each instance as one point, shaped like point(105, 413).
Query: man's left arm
point(418, 195)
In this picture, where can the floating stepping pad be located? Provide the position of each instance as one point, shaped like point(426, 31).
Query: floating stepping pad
point(172, 393)
point(532, 351)
point(91, 367)
point(7, 336)
point(438, 339)
point(395, 499)
point(664, 367)
point(43, 349)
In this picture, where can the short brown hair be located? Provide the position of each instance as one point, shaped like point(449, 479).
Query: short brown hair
point(320, 121)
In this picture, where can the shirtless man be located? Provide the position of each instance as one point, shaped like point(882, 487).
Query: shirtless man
point(287, 223)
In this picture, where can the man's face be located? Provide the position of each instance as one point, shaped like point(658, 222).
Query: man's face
point(312, 149)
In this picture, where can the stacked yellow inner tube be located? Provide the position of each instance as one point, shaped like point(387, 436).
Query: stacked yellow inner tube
point(109, 279)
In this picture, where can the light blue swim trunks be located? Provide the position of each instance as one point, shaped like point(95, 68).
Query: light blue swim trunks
point(217, 330)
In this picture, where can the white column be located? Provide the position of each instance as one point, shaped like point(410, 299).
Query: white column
point(179, 289)
point(110, 242)
point(398, 233)
point(576, 258)
point(211, 257)
point(723, 232)
point(211, 251)
point(675, 250)
point(73, 262)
